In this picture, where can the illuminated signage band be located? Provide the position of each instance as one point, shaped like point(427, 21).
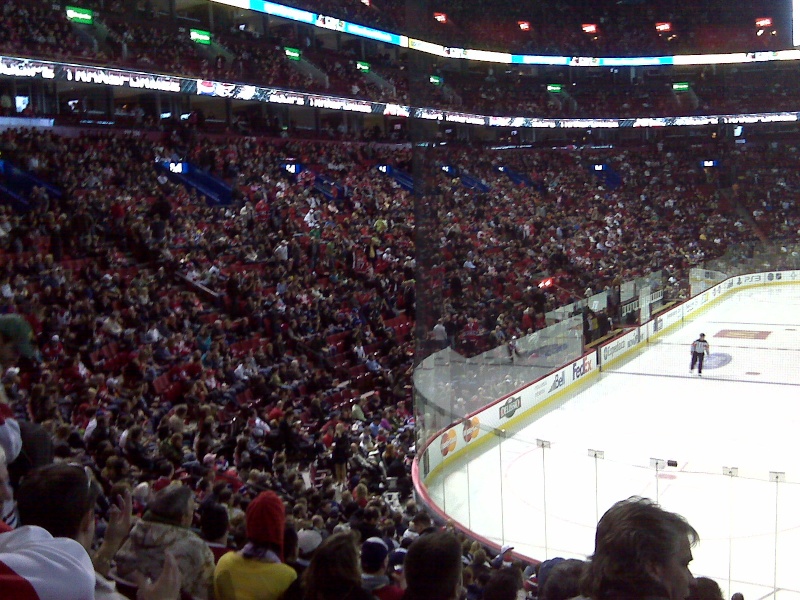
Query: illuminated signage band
point(117, 78)
point(23, 67)
point(332, 23)
point(40, 69)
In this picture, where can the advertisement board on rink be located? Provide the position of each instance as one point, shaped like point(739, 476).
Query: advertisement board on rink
point(618, 347)
point(502, 414)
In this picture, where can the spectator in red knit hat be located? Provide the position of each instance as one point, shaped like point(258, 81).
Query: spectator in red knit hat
point(257, 570)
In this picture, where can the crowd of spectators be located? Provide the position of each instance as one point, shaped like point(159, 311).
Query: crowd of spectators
point(150, 46)
point(211, 365)
point(291, 241)
point(37, 30)
point(266, 345)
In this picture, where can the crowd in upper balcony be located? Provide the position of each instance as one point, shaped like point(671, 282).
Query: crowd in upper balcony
point(623, 28)
point(130, 39)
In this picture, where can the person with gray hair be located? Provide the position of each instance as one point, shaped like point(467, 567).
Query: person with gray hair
point(165, 528)
point(642, 552)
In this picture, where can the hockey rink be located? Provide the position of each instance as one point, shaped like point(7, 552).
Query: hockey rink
point(732, 439)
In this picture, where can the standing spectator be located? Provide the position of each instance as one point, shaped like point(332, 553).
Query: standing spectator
point(503, 584)
point(501, 559)
point(26, 445)
point(6, 493)
point(340, 454)
point(395, 568)
point(50, 549)
point(214, 526)
point(258, 570)
point(641, 551)
point(56, 509)
point(439, 335)
point(561, 581)
point(705, 589)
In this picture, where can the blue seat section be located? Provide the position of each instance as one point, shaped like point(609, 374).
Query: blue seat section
point(472, 183)
point(611, 178)
point(405, 180)
point(214, 190)
point(16, 185)
point(517, 178)
point(17, 202)
point(326, 186)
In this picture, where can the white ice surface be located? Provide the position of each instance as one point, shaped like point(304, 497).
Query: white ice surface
point(743, 414)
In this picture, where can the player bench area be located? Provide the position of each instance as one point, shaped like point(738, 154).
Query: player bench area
point(607, 337)
point(615, 332)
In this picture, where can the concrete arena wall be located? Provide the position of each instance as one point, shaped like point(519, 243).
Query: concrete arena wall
point(505, 416)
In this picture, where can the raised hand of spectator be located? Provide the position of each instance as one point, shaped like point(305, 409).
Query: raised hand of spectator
point(166, 587)
point(119, 525)
point(119, 520)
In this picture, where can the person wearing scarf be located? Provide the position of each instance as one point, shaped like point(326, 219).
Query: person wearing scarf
point(257, 571)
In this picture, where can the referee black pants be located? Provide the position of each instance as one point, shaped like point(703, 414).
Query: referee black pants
point(697, 359)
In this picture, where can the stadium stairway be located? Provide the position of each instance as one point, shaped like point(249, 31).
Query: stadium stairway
point(405, 180)
point(520, 179)
point(16, 186)
point(215, 191)
point(472, 183)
